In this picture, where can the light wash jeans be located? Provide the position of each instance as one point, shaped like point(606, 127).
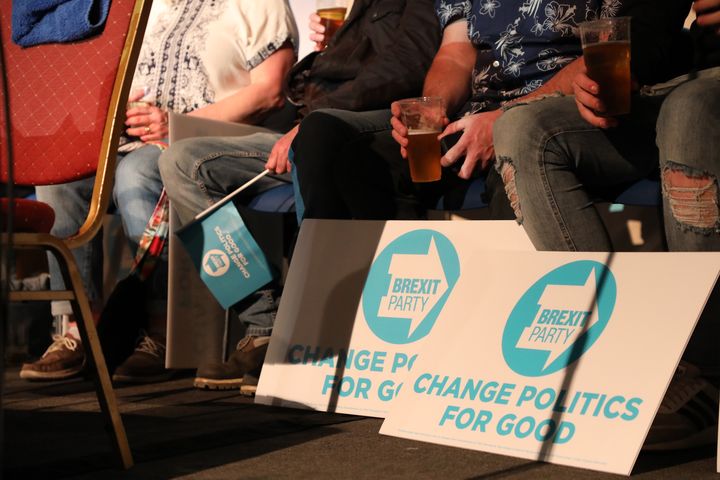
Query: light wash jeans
point(198, 172)
point(136, 192)
point(71, 202)
point(555, 165)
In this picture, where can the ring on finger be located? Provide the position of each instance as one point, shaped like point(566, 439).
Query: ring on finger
point(147, 129)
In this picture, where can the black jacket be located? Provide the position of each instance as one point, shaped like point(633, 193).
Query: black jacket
point(380, 54)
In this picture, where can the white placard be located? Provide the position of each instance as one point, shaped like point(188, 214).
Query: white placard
point(335, 348)
point(559, 357)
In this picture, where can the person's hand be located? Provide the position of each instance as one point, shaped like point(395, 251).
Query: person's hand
point(148, 122)
point(708, 13)
point(399, 130)
point(278, 161)
point(136, 95)
point(476, 142)
point(588, 103)
point(317, 31)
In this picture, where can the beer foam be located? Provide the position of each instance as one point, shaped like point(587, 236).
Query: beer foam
point(422, 131)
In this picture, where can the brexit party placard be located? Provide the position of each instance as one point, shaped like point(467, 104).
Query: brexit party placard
point(360, 300)
point(559, 357)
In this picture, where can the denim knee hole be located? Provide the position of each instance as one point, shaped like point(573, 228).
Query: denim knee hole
point(693, 197)
point(507, 172)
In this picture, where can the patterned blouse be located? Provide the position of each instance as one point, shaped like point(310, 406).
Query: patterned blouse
point(521, 43)
point(196, 52)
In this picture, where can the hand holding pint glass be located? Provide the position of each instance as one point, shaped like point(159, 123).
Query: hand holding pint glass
point(332, 16)
point(424, 119)
point(606, 50)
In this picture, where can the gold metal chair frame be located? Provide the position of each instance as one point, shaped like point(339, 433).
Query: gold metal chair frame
point(102, 192)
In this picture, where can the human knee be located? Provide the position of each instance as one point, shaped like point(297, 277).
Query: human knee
point(692, 196)
point(177, 162)
point(507, 172)
point(319, 130)
point(691, 113)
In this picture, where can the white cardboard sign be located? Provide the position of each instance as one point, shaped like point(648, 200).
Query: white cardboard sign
point(341, 343)
point(559, 357)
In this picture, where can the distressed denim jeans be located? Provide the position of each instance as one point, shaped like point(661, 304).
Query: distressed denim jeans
point(555, 165)
point(198, 172)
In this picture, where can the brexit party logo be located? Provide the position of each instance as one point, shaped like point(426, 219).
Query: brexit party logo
point(408, 285)
point(215, 263)
point(559, 318)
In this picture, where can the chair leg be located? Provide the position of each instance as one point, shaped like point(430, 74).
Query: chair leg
point(93, 353)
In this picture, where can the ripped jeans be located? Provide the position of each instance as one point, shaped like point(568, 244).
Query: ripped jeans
point(555, 165)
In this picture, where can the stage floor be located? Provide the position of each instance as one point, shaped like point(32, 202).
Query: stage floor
point(54, 430)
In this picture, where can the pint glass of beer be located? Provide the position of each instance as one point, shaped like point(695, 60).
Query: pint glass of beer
point(332, 16)
point(423, 118)
point(606, 49)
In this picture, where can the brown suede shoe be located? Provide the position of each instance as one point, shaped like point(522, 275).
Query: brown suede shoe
point(146, 364)
point(65, 358)
point(247, 358)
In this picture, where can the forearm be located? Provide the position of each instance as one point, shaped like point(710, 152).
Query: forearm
point(450, 75)
point(262, 95)
point(450, 79)
point(250, 104)
point(561, 82)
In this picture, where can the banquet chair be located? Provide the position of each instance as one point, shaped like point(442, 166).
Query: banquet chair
point(66, 105)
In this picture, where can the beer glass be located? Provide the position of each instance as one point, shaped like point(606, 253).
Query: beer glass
point(423, 118)
point(332, 16)
point(606, 49)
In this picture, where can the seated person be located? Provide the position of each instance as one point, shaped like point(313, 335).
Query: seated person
point(485, 61)
point(381, 52)
point(219, 60)
point(558, 155)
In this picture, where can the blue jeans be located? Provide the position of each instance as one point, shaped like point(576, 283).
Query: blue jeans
point(71, 202)
point(555, 165)
point(198, 172)
point(137, 189)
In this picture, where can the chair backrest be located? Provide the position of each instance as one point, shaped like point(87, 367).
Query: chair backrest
point(67, 103)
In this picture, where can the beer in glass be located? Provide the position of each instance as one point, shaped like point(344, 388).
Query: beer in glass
point(423, 118)
point(332, 16)
point(606, 49)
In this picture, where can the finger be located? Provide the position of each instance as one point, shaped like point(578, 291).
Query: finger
point(395, 109)
point(317, 37)
point(452, 155)
point(454, 127)
point(468, 166)
point(135, 111)
point(271, 161)
point(398, 127)
point(589, 101)
point(593, 119)
point(281, 163)
point(702, 5)
point(136, 95)
point(586, 83)
point(138, 121)
point(401, 140)
point(315, 19)
point(709, 19)
point(140, 130)
point(403, 152)
point(152, 137)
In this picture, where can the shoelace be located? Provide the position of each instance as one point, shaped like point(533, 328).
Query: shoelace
point(682, 388)
point(153, 347)
point(60, 342)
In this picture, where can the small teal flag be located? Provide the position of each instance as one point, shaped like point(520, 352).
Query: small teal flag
point(228, 258)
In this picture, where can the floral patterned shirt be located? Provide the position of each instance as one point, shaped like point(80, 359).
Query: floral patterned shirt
point(520, 43)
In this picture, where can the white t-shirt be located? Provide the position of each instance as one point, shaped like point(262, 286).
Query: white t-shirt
point(196, 52)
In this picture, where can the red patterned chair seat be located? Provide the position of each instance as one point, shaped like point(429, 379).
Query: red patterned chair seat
point(30, 216)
